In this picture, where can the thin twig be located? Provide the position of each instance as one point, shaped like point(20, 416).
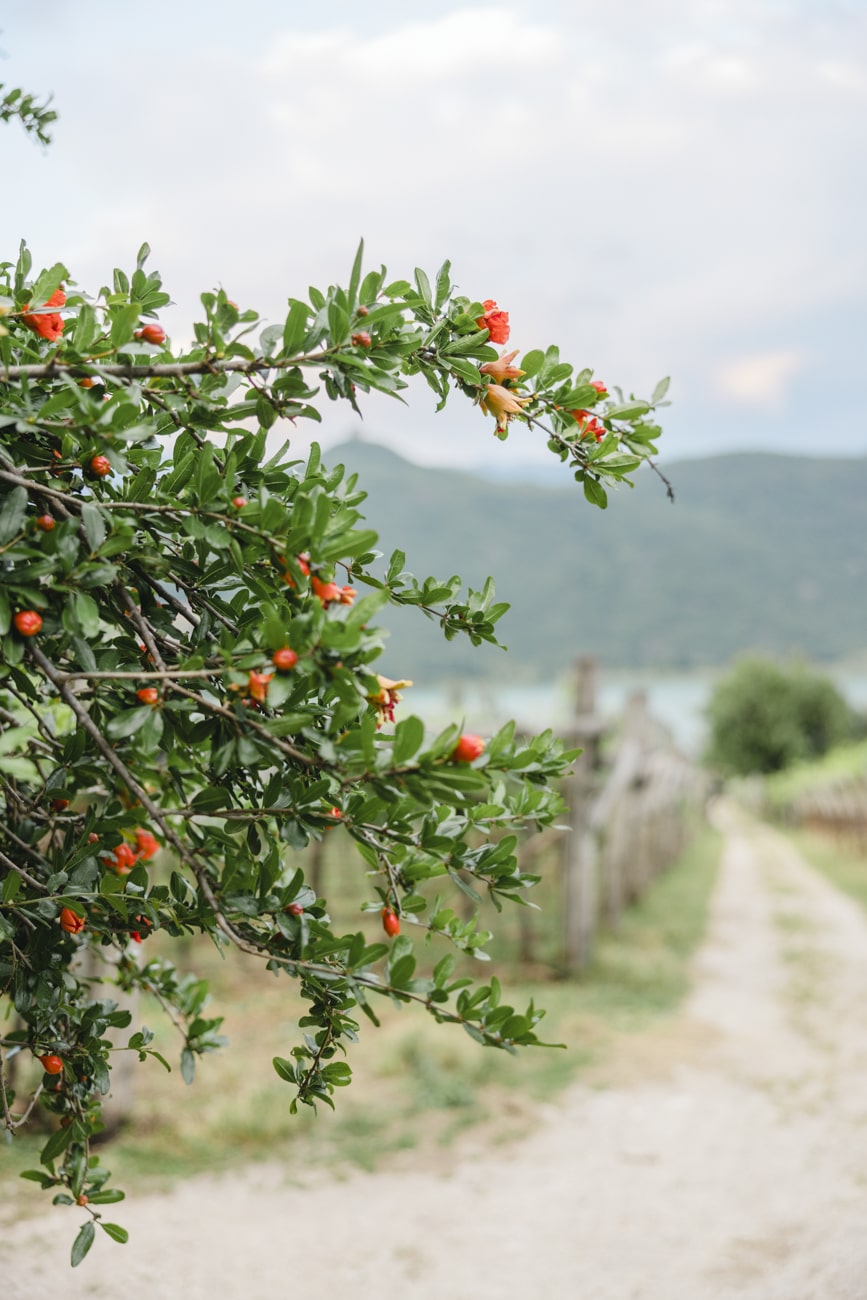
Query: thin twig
point(163, 674)
point(669, 490)
point(25, 875)
point(163, 369)
point(275, 741)
point(11, 1121)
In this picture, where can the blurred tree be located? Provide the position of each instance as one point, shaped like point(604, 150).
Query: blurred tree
point(764, 717)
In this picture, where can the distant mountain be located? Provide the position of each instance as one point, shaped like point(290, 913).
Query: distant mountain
point(759, 552)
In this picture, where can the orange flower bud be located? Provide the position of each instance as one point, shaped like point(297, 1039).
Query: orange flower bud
point(70, 921)
point(501, 403)
point(502, 369)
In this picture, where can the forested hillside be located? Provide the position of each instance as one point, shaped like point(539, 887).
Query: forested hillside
point(759, 552)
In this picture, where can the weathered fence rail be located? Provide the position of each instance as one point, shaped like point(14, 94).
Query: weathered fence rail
point(630, 815)
point(837, 807)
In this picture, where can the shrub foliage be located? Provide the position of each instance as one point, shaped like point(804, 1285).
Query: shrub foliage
point(189, 684)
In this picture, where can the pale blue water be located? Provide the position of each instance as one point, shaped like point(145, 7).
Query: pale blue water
point(679, 701)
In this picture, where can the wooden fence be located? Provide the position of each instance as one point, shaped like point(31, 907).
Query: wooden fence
point(631, 812)
point(836, 807)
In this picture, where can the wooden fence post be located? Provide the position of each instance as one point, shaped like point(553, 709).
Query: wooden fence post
point(581, 854)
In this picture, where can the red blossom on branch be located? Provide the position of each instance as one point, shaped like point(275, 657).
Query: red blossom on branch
point(496, 322)
point(48, 325)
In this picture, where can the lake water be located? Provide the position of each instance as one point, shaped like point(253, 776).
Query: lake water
point(677, 700)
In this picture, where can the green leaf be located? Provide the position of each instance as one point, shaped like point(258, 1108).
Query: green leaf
point(629, 411)
point(295, 328)
point(47, 282)
point(128, 722)
point(467, 371)
point(408, 740)
point(94, 525)
point(12, 513)
point(532, 362)
point(188, 1066)
point(660, 390)
point(443, 284)
point(86, 328)
point(56, 1144)
point(284, 1068)
point(110, 1197)
point(37, 1176)
point(116, 1232)
point(213, 796)
point(82, 1243)
point(356, 275)
point(423, 286)
point(595, 493)
point(123, 323)
point(83, 614)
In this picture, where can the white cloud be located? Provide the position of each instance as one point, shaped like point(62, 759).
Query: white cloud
point(654, 185)
point(482, 44)
point(762, 379)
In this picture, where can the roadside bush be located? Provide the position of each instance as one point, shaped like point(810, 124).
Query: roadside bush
point(764, 717)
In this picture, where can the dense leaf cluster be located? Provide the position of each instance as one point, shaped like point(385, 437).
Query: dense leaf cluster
point(161, 762)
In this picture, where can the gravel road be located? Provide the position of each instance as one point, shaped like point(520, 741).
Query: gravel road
point(726, 1157)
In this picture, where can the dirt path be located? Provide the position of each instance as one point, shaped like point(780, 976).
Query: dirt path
point(738, 1169)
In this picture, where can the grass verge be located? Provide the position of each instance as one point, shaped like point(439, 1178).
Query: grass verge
point(838, 860)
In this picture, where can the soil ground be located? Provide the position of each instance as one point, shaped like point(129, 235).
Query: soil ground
point(722, 1154)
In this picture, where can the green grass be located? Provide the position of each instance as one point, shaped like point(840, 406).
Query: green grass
point(843, 865)
point(415, 1083)
point(781, 789)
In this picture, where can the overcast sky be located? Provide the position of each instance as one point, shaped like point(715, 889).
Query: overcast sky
point(661, 187)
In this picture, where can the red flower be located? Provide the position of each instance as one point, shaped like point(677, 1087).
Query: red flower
point(145, 923)
point(328, 592)
point(589, 424)
point(496, 322)
point(599, 386)
point(48, 325)
point(303, 562)
point(257, 685)
point(123, 861)
point(146, 844)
